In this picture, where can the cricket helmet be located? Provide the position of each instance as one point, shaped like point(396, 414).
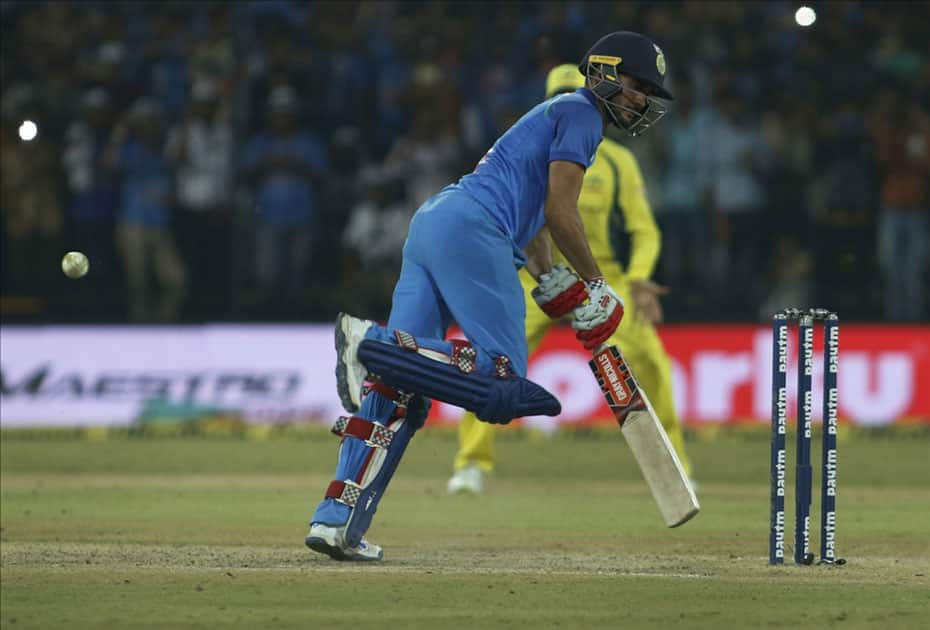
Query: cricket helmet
point(635, 55)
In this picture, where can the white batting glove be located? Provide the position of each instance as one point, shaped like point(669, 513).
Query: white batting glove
point(598, 318)
point(559, 291)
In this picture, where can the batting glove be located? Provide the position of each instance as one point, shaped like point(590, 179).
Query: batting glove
point(559, 291)
point(598, 318)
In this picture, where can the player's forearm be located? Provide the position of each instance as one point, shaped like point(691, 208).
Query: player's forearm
point(644, 255)
point(645, 237)
point(568, 234)
point(539, 254)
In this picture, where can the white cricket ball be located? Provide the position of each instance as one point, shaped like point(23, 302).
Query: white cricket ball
point(75, 265)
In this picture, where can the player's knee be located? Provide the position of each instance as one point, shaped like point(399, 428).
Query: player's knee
point(417, 411)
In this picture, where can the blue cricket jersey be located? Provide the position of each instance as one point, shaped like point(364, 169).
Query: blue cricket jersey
point(511, 179)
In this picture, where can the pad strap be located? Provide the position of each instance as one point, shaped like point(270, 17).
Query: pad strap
point(502, 366)
point(343, 491)
point(399, 398)
point(373, 433)
point(464, 356)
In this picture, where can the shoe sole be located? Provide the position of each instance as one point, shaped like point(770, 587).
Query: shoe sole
point(342, 371)
point(321, 546)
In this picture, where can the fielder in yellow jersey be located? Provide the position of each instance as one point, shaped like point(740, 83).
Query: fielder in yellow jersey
point(612, 201)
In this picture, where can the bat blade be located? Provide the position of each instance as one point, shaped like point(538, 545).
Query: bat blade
point(645, 436)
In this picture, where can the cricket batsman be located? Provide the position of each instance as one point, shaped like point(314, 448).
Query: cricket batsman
point(464, 248)
point(613, 199)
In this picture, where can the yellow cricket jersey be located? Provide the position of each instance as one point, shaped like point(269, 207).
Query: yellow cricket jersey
point(618, 221)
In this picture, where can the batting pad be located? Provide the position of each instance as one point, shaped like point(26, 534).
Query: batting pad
point(381, 469)
point(492, 398)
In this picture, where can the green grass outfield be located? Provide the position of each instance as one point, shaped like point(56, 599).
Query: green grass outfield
point(203, 532)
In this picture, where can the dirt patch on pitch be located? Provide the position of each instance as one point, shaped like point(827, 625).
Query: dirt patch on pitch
point(181, 558)
point(193, 557)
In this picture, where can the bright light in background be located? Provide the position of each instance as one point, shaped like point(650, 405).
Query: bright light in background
point(28, 130)
point(805, 16)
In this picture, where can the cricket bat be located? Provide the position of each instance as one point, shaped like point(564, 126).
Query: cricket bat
point(645, 436)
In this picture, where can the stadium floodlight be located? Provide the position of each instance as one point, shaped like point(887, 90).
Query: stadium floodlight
point(805, 16)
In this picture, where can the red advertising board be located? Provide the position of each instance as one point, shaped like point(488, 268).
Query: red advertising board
point(722, 373)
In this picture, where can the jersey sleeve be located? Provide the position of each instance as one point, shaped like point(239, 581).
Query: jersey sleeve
point(578, 131)
point(640, 223)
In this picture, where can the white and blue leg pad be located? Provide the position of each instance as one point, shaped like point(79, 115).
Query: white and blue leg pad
point(368, 457)
point(496, 398)
point(417, 409)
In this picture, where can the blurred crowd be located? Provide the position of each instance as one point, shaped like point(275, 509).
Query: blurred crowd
point(261, 160)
